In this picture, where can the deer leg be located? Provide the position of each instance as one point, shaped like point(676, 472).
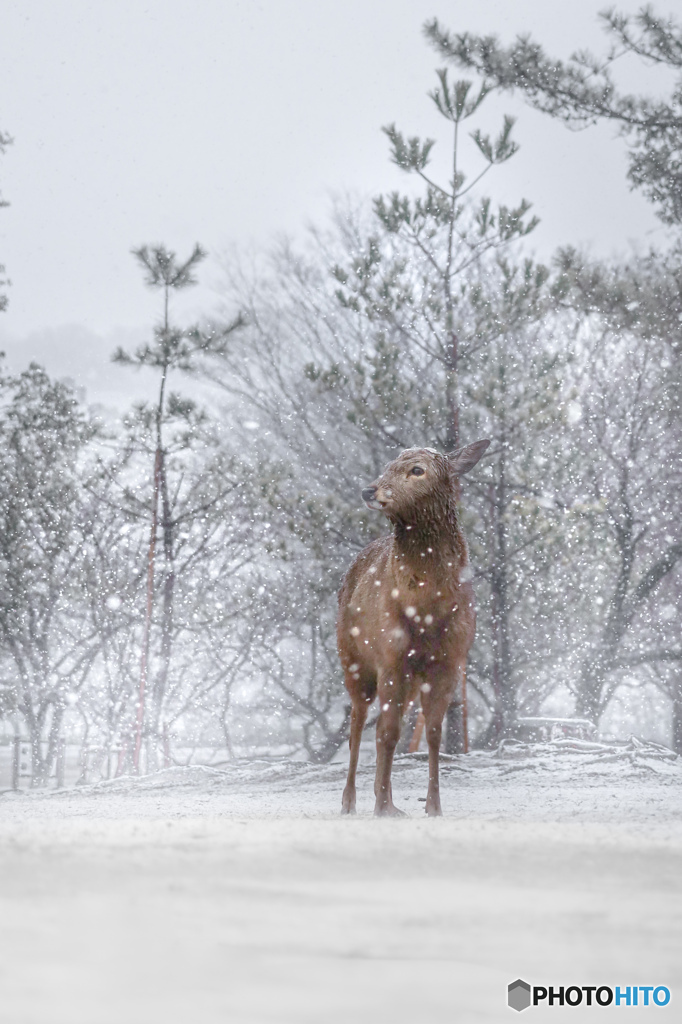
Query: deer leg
point(358, 717)
point(388, 734)
point(434, 712)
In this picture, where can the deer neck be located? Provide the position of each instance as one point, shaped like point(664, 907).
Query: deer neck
point(432, 540)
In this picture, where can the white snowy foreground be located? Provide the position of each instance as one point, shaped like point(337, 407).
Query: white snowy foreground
point(240, 895)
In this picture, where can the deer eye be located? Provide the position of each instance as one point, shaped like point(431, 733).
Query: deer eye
point(417, 471)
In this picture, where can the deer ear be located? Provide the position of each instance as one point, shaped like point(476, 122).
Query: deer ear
point(464, 459)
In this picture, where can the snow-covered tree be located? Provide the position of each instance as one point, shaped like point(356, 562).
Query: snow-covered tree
point(173, 349)
point(48, 646)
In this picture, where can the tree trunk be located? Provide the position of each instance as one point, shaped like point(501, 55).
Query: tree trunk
point(144, 661)
point(333, 740)
point(161, 682)
point(456, 738)
point(54, 738)
point(505, 709)
point(41, 767)
point(34, 723)
point(409, 726)
point(37, 765)
point(452, 393)
point(590, 700)
point(677, 717)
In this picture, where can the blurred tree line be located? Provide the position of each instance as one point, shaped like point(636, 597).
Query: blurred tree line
point(172, 581)
point(5, 141)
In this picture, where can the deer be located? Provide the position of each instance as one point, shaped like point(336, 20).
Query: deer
point(406, 615)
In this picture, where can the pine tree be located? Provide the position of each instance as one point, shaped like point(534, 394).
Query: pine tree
point(421, 278)
point(173, 349)
point(582, 91)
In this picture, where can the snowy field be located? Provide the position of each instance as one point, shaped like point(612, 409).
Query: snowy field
point(240, 895)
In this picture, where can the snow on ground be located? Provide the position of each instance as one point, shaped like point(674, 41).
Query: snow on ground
point(239, 895)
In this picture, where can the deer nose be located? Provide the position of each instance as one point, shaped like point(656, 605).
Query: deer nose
point(368, 493)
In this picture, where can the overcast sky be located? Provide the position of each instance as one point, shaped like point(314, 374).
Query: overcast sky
point(228, 122)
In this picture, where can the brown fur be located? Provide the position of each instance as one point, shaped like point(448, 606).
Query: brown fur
point(406, 612)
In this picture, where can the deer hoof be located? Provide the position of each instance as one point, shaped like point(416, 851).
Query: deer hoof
point(348, 801)
point(389, 812)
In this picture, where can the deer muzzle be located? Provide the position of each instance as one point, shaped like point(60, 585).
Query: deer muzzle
point(370, 499)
